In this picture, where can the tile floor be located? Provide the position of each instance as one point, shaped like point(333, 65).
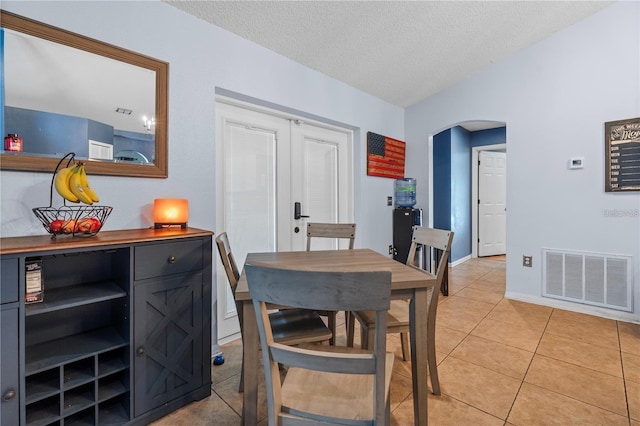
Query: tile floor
point(501, 362)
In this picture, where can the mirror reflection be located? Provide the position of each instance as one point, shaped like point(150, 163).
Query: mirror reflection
point(64, 93)
point(60, 99)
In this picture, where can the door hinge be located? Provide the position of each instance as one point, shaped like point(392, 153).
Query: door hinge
point(478, 162)
point(478, 200)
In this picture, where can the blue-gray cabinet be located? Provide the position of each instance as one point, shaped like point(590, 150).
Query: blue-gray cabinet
point(9, 377)
point(123, 335)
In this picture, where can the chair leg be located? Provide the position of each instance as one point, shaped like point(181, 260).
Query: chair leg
point(350, 326)
point(364, 334)
point(404, 342)
point(433, 367)
point(332, 326)
point(369, 338)
point(241, 385)
point(387, 417)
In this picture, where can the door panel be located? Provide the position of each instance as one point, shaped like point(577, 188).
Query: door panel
point(492, 193)
point(250, 147)
point(319, 160)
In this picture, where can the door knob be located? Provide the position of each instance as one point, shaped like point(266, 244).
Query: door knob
point(141, 351)
point(9, 395)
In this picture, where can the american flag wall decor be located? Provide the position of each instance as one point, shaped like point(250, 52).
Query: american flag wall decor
point(385, 156)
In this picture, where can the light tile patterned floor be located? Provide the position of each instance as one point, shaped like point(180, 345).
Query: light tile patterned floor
point(501, 362)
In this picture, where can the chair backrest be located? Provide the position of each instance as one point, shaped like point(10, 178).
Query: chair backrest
point(228, 261)
point(437, 244)
point(345, 291)
point(331, 230)
point(431, 239)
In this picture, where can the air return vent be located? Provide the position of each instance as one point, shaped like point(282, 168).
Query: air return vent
point(591, 278)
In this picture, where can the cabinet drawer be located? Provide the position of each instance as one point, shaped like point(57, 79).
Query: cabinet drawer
point(8, 280)
point(168, 258)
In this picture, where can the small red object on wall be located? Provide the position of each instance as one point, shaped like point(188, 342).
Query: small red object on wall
point(13, 142)
point(385, 156)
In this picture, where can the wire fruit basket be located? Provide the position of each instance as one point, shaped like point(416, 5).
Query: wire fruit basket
point(71, 220)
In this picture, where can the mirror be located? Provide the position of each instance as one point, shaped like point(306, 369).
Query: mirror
point(53, 112)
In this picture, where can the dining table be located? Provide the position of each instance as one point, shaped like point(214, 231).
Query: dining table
point(408, 283)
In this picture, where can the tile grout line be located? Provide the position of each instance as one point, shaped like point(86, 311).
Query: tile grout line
point(624, 379)
point(529, 366)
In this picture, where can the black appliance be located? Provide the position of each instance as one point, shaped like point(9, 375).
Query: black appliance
point(404, 219)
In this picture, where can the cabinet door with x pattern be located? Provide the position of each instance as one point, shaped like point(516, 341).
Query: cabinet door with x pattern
point(168, 344)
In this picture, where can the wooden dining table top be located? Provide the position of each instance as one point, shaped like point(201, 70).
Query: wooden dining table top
point(403, 277)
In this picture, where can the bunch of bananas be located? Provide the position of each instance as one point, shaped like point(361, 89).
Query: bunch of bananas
point(72, 185)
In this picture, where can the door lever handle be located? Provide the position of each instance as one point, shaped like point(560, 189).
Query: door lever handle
point(296, 211)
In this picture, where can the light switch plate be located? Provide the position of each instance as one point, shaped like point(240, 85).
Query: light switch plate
point(576, 162)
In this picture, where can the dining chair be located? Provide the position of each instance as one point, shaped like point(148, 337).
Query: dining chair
point(339, 231)
point(324, 384)
point(289, 326)
point(432, 241)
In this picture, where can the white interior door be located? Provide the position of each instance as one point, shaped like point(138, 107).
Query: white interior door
point(492, 194)
point(264, 164)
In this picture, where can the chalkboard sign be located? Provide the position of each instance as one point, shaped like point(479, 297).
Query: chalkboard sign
point(622, 151)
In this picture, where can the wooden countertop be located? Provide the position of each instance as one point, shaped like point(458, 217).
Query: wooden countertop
point(34, 243)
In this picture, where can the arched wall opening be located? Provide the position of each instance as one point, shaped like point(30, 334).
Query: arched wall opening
point(453, 180)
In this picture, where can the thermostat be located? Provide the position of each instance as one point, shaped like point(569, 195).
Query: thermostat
point(576, 163)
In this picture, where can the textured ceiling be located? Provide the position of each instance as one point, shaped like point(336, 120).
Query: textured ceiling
point(399, 51)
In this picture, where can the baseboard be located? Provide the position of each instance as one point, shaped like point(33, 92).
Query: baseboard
point(574, 307)
point(459, 261)
point(215, 349)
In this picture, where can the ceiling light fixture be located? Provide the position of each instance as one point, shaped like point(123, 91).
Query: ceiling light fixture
point(148, 123)
point(124, 111)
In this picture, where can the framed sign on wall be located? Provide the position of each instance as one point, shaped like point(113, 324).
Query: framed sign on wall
point(385, 156)
point(622, 152)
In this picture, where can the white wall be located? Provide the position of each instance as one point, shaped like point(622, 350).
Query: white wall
point(554, 98)
point(202, 57)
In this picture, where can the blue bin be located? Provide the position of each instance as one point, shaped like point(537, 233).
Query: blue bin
point(405, 192)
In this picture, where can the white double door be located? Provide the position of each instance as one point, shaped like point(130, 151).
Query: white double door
point(266, 163)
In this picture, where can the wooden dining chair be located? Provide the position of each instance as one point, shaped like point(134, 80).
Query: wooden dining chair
point(324, 384)
point(336, 231)
point(398, 316)
point(289, 326)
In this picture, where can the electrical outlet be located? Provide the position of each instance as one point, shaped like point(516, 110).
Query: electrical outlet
point(527, 261)
point(390, 249)
point(389, 201)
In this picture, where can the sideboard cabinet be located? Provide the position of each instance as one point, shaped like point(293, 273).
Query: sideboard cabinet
point(122, 335)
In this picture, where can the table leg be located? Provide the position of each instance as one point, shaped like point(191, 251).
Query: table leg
point(250, 356)
point(418, 337)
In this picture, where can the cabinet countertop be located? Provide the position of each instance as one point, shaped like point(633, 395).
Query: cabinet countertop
point(34, 243)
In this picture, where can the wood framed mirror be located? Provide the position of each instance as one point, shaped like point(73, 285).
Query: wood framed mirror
point(138, 123)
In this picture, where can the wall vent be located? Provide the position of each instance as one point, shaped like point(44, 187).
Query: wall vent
point(591, 278)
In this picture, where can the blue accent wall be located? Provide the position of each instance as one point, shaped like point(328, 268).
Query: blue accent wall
point(489, 137)
point(55, 134)
point(2, 86)
point(46, 133)
point(460, 192)
point(452, 154)
point(442, 180)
